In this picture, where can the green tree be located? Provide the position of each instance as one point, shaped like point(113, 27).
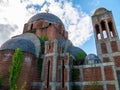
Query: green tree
point(43, 37)
point(1, 82)
point(80, 56)
point(15, 69)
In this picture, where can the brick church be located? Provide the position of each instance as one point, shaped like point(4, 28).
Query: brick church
point(52, 63)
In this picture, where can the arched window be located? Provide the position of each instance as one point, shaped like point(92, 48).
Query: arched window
point(63, 73)
point(103, 29)
point(112, 33)
point(31, 27)
point(97, 31)
point(48, 73)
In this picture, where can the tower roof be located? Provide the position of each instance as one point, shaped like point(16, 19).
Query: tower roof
point(47, 17)
point(24, 44)
point(100, 11)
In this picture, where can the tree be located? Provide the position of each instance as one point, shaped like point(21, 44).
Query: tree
point(1, 81)
point(15, 69)
point(43, 37)
point(80, 56)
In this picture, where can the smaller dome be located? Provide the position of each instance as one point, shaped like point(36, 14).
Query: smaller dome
point(74, 50)
point(92, 59)
point(24, 44)
point(100, 11)
point(35, 40)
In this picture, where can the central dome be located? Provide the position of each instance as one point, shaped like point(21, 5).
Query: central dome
point(47, 17)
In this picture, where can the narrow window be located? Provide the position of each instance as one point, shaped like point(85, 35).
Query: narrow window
point(49, 46)
point(48, 73)
point(103, 29)
point(31, 27)
point(112, 33)
point(63, 73)
point(97, 32)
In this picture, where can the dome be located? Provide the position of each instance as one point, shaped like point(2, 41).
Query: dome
point(47, 17)
point(100, 11)
point(74, 50)
point(92, 59)
point(34, 39)
point(24, 44)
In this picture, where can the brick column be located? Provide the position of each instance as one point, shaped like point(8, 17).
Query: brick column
point(101, 33)
point(103, 76)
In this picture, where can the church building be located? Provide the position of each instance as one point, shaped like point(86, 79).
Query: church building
point(52, 62)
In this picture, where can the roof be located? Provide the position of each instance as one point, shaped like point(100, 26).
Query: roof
point(92, 57)
point(24, 44)
point(100, 11)
point(34, 39)
point(74, 50)
point(46, 16)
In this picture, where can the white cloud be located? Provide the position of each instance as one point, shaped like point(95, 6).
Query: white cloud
point(15, 13)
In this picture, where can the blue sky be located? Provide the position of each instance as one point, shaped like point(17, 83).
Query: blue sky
point(89, 7)
point(75, 14)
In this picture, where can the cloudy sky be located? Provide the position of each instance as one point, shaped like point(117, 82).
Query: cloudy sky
point(75, 14)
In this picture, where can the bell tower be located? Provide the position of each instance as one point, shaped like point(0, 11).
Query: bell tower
point(106, 36)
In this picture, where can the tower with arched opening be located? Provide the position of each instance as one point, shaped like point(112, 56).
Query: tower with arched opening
point(106, 36)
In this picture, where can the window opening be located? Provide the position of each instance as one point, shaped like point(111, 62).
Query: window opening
point(112, 33)
point(31, 27)
point(63, 73)
point(103, 29)
point(48, 73)
point(97, 31)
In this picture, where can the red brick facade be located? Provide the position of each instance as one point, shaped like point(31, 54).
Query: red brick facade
point(104, 48)
point(92, 74)
point(29, 67)
point(106, 59)
point(111, 87)
point(109, 74)
point(52, 31)
point(117, 61)
point(89, 87)
point(114, 46)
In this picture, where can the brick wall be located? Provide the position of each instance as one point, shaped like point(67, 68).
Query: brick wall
point(109, 74)
point(61, 88)
point(49, 58)
point(49, 47)
point(104, 48)
point(64, 57)
point(117, 61)
point(106, 59)
point(52, 31)
point(92, 74)
point(114, 46)
point(88, 87)
point(111, 87)
point(27, 70)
